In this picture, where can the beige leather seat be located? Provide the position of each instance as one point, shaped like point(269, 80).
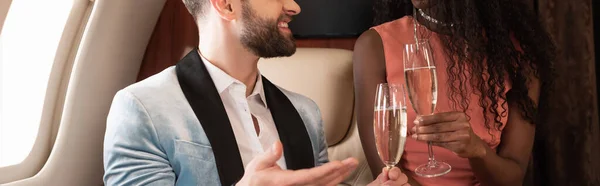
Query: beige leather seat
point(325, 76)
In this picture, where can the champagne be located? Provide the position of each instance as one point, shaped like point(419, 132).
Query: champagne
point(390, 133)
point(421, 82)
point(422, 89)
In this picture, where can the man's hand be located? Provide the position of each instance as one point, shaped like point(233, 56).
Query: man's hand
point(263, 170)
point(392, 177)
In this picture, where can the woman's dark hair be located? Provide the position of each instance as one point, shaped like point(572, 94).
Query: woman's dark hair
point(492, 43)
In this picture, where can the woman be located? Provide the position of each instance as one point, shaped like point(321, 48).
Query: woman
point(493, 60)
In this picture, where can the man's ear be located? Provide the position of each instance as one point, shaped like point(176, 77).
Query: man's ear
point(224, 8)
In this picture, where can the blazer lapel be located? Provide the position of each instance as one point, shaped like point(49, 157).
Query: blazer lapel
point(203, 97)
point(297, 147)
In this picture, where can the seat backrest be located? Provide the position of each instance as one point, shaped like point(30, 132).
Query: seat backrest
point(325, 76)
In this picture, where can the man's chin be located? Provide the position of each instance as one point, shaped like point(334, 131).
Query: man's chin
point(291, 47)
point(291, 42)
point(283, 53)
point(287, 35)
point(292, 52)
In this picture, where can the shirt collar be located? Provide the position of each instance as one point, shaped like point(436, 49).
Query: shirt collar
point(259, 89)
point(222, 80)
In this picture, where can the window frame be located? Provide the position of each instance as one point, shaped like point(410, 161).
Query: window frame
point(54, 99)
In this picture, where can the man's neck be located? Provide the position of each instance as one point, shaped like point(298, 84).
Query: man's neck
point(228, 54)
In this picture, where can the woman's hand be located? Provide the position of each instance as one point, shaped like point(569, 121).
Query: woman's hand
point(392, 177)
point(452, 131)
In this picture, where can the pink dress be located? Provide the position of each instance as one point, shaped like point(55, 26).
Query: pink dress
point(394, 35)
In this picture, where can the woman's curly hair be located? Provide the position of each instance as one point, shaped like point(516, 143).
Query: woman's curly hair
point(491, 42)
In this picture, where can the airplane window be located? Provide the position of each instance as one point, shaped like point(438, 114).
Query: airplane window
point(28, 44)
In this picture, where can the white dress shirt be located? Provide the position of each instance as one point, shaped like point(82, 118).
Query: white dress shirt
point(240, 110)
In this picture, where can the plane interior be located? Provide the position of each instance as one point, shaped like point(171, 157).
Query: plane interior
point(63, 61)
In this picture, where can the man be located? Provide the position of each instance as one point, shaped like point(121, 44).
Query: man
point(213, 119)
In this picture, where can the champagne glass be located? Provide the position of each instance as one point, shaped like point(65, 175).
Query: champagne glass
point(421, 82)
point(389, 123)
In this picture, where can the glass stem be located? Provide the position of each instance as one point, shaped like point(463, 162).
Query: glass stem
point(389, 167)
point(431, 158)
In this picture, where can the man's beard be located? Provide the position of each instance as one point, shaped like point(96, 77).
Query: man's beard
point(262, 36)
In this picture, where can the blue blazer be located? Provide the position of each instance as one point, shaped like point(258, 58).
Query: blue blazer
point(172, 129)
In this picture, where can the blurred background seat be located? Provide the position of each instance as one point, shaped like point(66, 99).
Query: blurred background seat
point(325, 76)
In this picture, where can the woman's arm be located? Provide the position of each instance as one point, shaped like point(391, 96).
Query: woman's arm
point(452, 130)
point(509, 165)
point(369, 70)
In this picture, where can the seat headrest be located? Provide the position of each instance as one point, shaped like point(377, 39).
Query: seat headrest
point(325, 76)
